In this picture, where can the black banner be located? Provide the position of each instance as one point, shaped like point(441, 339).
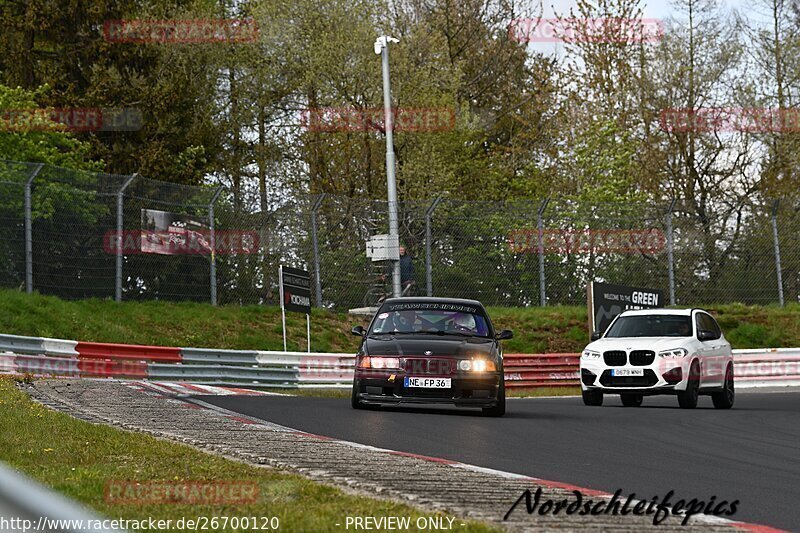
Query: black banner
point(606, 301)
point(296, 285)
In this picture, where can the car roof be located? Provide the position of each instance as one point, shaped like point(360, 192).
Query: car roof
point(660, 311)
point(432, 299)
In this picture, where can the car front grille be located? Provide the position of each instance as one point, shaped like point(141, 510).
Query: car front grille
point(614, 358)
point(647, 380)
point(431, 367)
point(642, 357)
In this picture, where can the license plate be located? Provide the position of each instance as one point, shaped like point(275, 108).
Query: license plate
point(427, 383)
point(624, 372)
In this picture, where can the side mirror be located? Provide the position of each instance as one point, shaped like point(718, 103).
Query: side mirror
point(706, 335)
point(596, 335)
point(358, 331)
point(505, 334)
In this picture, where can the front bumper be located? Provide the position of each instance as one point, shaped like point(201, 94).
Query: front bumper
point(465, 391)
point(663, 376)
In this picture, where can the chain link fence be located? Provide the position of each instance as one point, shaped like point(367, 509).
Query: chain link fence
point(77, 234)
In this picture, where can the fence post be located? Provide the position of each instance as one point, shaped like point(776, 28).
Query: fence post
point(428, 264)
point(315, 244)
point(777, 251)
point(213, 238)
point(118, 272)
point(29, 230)
point(540, 239)
point(670, 258)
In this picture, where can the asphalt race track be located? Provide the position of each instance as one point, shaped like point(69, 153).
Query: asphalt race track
point(750, 453)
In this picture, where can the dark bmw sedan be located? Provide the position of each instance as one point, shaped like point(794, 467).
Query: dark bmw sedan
point(432, 351)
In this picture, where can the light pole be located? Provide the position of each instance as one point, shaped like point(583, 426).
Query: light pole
point(382, 48)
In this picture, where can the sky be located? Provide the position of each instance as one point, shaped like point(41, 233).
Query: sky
point(653, 9)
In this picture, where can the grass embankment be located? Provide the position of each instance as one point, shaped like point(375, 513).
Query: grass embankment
point(78, 459)
point(536, 329)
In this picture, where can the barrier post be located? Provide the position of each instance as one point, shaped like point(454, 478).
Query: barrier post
point(283, 309)
point(308, 331)
point(670, 251)
point(118, 251)
point(315, 244)
point(428, 264)
point(29, 230)
point(777, 251)
point(540, 239)
point(213, 242)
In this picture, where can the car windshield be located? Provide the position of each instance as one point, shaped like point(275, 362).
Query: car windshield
point(651, 326)
point(439, 319)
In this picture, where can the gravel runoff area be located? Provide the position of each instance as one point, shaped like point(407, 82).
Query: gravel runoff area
point(468, 492)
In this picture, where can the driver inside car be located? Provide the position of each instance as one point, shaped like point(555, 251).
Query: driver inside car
point(464, 322)
point(404, 321)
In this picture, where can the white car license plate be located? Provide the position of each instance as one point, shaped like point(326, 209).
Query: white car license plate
point(427, 383)
point(624, 372)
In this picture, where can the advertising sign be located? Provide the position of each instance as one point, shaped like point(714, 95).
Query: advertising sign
point(606, 301)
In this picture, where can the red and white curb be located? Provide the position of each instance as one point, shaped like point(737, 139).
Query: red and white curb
point(168, 390)
point(191, 389)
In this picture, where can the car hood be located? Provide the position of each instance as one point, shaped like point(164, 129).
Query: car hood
point(638, 343)
point(417, 345)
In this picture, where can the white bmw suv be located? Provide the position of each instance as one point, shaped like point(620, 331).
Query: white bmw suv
point(659, 351)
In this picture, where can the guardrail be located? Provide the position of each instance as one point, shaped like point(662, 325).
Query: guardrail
point(267, 369)
point(752, 368)
point(37, 507)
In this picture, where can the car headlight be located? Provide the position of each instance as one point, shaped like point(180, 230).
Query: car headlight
point(589, 354)
point(379, 363)
point(477, 365)
point(673, 354)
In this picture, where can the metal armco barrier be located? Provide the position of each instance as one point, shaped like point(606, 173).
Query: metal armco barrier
point(266, 369)
point(541, 370)
point(37, 345)
point(24, 499)
point(102, 350)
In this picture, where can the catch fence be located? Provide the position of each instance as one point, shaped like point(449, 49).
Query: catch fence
point(77, 234)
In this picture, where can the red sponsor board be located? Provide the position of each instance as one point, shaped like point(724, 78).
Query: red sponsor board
point(133, 352)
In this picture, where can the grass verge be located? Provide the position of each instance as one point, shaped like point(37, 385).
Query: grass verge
point(556, 329)
point(78, 459)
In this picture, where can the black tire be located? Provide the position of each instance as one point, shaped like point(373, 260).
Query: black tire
point(631, 400)
point(500, 408)
point(354, 401)
point(592, 398)
point(687, 399)
point(724, 398)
